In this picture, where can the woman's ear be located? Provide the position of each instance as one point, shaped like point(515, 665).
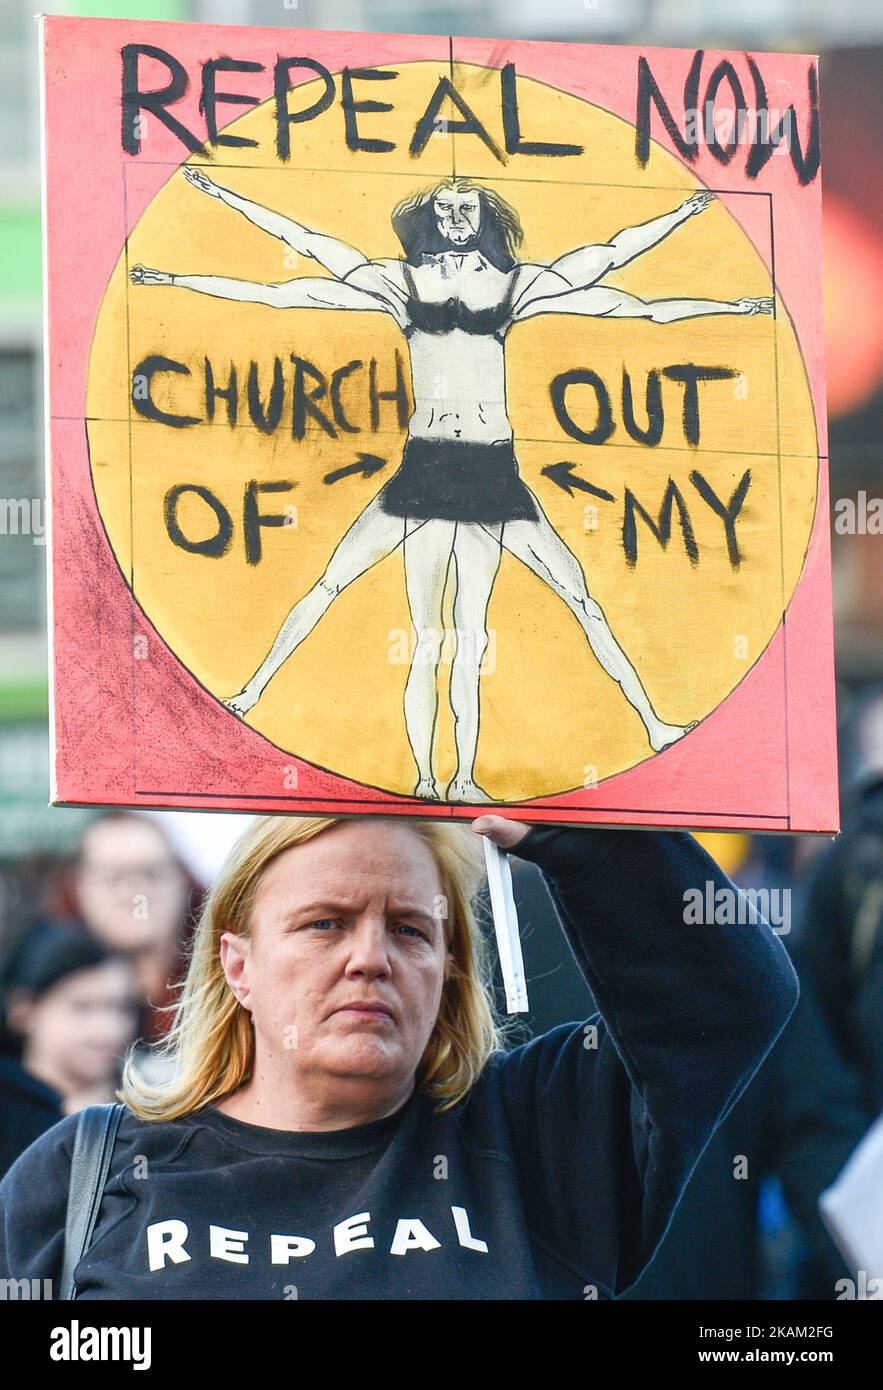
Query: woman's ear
point(234, 951)
point(20, 1010)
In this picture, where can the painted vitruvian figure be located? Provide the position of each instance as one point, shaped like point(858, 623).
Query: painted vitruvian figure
point(457, 501)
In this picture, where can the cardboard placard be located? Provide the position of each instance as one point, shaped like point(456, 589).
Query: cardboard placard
point(436, 423)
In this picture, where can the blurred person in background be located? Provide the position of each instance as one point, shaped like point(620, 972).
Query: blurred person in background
point(133, 895)
point(840, 948)
point(74, 1006)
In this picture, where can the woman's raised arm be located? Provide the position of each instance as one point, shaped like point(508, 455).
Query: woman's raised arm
point(610, 1116)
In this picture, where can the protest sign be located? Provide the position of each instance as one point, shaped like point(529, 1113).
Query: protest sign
point(436, 423)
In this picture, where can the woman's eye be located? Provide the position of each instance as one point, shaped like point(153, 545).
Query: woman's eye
point(406, 927)
point(322, 923)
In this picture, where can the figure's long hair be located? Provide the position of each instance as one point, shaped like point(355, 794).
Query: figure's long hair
point(211, 1045)
point(499, 230)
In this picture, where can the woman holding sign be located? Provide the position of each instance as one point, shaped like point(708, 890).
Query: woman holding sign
point(457, 500)
point(342, 1121)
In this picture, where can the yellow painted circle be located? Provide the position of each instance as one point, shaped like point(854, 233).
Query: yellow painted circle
point(551, 718)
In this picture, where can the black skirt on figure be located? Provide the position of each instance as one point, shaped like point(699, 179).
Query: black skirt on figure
point(458, 480)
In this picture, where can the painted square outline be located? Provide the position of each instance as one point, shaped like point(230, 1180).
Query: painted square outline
point(385, 799)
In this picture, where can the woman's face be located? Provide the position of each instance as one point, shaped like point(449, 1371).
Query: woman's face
point(131, 892)
point(344, 969)
point(80, 1028)
point(458, 215)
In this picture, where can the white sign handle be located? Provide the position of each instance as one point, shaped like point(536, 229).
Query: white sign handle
point(499, 877)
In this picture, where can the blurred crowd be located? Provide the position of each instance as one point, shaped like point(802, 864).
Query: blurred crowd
point(93, 947)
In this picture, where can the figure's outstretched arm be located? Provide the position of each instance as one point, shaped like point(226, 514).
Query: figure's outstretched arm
point(600, 301)
point(336, 256)
point(305, 292)
point(587, 265)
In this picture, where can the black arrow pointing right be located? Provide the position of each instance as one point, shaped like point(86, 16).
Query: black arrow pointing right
point(366, 464)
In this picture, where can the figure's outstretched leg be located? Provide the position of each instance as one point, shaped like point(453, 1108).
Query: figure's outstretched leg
point(477, 553)
point(427, 559)
point(372, 537)
point(538, 545)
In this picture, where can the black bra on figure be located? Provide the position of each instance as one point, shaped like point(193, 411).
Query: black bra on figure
point(441, 316)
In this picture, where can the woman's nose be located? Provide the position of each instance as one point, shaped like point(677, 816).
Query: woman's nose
point(369, 949)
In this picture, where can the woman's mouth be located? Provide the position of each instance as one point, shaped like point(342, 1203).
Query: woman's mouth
point(367, 1010)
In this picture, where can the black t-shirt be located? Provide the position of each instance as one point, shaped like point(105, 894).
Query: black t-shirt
point(555, 1178)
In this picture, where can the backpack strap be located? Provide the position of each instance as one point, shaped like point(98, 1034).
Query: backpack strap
point(93, 1146)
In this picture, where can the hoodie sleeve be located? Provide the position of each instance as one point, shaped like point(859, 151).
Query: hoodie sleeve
point(609, 1116)
point(33, 1207)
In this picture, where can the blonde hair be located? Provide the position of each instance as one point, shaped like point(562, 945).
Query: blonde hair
point(211, 1042)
